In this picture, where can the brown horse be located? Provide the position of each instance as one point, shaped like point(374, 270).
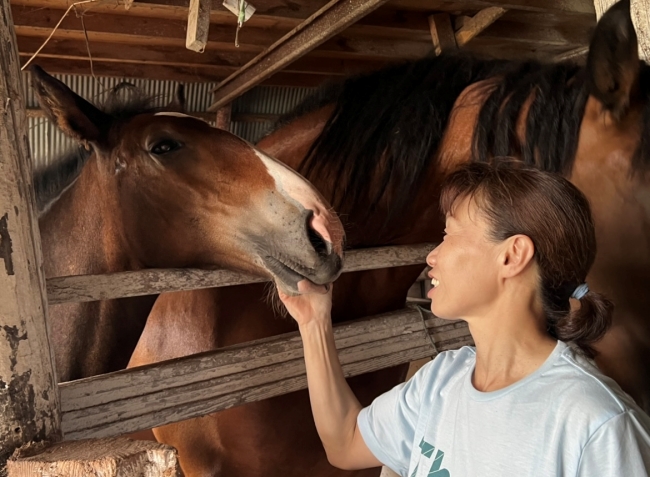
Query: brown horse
point(162, 189)
point(377, 147)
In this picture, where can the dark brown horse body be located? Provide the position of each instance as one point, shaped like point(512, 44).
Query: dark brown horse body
point(377, 148)
point(162, 189)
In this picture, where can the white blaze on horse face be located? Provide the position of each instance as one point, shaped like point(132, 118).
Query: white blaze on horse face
point(298, 189)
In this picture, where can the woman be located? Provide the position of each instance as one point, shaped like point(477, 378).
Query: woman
point(526, 401)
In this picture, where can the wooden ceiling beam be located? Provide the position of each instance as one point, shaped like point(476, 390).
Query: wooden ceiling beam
point(363, 40)
point(317, 29)
point(560, 7)
point(198, 25)
point(573, 54)
point(442, 33)
point(446, 39)
point(213, 62)
point(542, 35)
point(476, 24)
point(342, 49)
point(173, 73)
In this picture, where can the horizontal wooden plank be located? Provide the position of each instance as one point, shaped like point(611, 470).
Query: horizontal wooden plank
point(289, 14)
point(560, 7)
point(212, 62)
point(341, 47)
point(182, 74)
point(82, 288)
point(145, 397)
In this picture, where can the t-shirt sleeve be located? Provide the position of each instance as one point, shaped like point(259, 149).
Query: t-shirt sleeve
point(388, 425)
point(621, 446)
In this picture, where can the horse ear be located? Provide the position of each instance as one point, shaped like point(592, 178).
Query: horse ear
point(75, 116)
point(613, 62)
point(178, 103)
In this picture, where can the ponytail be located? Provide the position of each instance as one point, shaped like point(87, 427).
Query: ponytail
point(586, 325)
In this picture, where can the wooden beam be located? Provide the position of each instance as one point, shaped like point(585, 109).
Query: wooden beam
point(224, 115)
point(184, 74)
point(115, 457)
point(82, 288)
point(524, 33)
point(198, 25)
point(558, 7)
point(442, 33)
point(476, 24)
point(29, 400)
point(572, 54)
point(446, 39)
point(189, 387)
point(315, 30)
point(215, 63)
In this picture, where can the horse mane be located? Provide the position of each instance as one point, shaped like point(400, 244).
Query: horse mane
point(387, 126)
point(556, 95)
point(51, 181)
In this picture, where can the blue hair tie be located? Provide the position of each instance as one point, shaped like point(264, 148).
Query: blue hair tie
point(580, 291)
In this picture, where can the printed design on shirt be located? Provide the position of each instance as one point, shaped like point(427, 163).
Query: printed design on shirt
point(436, 469)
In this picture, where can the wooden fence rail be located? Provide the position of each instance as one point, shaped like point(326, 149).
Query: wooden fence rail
point(82, 288)
point(171, 391)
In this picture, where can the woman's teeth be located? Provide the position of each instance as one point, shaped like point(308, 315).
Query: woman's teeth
point(434, 282)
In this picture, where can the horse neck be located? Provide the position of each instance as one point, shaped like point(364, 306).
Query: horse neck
point(81, 234)
point(620, 203)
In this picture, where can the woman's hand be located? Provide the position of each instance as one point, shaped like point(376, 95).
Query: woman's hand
point(308, 307)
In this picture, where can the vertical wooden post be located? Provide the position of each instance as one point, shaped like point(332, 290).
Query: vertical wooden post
point(640, 11)
point(223, 117)
point(442, 33)
point(198, 25)
point(29, 402)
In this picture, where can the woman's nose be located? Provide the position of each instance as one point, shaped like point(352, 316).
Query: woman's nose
point(431, 258)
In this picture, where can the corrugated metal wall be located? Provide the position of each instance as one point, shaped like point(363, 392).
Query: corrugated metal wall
point(48, 143)
point(265, 100)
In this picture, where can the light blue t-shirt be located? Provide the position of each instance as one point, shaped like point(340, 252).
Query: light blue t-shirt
point(565, 419)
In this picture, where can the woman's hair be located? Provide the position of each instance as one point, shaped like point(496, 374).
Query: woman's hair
point(556, 216)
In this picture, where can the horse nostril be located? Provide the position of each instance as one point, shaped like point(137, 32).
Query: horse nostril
point(321, 245)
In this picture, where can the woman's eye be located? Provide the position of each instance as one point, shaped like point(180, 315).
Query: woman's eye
point(165, 146)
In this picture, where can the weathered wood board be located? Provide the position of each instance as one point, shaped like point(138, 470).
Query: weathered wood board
point(115, 457)
point(180, 389)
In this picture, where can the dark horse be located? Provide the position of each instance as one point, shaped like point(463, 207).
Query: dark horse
point(377, 146)
point(163, 189)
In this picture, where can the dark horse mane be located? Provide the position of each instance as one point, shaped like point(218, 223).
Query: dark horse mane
point(52, 180)
point(399, 114)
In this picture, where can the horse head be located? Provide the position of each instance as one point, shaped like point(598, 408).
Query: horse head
point(188, 194)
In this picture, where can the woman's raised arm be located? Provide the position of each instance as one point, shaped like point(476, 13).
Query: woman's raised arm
point(334, 405)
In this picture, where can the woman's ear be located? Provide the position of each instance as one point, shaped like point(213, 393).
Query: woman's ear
point(518, 253)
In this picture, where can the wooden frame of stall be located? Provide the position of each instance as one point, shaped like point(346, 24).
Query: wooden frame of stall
point(34, 407)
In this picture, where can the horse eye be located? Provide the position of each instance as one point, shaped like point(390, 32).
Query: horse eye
point(165, 146)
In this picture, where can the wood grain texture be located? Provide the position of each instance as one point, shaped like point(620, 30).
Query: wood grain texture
point(333, 18)
point(115, 457)
point(29, 404)
point(198, 25)
point(82, 288)
point(476, 24)
point(180, 389)
point(442, 33)
point(224, 116)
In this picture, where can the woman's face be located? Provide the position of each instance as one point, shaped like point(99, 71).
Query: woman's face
point(464, 267)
